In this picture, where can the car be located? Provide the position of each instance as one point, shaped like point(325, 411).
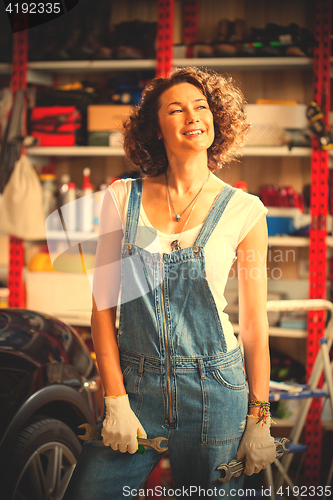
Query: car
point(49, 385)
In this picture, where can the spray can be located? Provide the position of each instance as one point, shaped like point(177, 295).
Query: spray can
point(86, 204)
point(241, 185)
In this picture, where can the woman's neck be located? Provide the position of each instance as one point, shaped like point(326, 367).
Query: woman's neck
point(186, 175)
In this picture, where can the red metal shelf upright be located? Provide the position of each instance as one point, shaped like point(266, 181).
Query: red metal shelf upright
point(190, 24)
point(16, 252)
point(164, 51)
point(164, 60)
point(317, 252)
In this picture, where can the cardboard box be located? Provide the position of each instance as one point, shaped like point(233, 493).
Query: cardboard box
point(107, 117)
point(111, 138)
point(67, 296)
point(281, 115)
point(269, 121)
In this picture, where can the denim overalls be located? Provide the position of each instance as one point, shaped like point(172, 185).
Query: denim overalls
point(181, 381)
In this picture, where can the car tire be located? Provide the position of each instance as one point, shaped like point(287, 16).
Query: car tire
point(41, 461)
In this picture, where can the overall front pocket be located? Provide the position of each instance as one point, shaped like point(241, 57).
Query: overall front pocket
point(132, 380)
point(225, 402)
point(231, 377)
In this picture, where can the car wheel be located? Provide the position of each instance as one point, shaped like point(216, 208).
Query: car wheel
point(41, 461)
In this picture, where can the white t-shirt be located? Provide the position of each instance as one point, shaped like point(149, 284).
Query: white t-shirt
point(240, 215)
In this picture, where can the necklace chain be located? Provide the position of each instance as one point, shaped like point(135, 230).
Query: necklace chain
point(175, 245)
point(178, 216)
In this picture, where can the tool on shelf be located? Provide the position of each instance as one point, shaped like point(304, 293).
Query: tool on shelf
point(318, 127)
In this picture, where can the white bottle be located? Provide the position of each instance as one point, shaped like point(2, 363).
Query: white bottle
point(68, 208)
point(86, 204)
point(65, 180)
point(48, 182)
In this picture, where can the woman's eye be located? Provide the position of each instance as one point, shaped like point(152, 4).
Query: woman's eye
point(175, 111)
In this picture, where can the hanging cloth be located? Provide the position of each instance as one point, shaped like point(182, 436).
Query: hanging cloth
point(21, 208)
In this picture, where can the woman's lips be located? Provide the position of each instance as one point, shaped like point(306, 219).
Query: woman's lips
point(194, 132)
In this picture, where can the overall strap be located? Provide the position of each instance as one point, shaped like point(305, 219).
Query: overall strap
point(214, 215)
point(133, 211)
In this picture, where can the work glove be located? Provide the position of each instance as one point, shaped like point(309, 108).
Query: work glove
point(121, 426)
point(256, 446)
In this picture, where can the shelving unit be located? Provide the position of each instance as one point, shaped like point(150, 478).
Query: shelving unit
point(43, 72)
point(250, 64)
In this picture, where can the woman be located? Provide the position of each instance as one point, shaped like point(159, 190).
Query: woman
point(175, 369)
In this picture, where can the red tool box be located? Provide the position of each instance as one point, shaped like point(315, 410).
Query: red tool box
point(56, 125)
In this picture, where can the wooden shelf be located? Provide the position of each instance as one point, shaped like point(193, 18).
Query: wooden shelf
point(112, 151)
point(278, 241)
point(93, 66)
point(222, 63)
point(294, 241)
point(276, 331)
point(40, 72)
point(75, 151)
point(276, 151)
point(288, 241)
point(72, 235)
point(248, 63)
point(290, 422)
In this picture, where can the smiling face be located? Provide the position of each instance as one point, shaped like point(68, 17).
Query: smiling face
point(186, 122)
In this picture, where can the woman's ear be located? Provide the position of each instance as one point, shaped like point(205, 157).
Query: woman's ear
point(159, 135)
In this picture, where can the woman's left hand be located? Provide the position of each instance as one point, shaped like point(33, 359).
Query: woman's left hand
point(256, 446)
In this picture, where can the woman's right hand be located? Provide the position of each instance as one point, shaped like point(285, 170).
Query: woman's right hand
point(121, 426)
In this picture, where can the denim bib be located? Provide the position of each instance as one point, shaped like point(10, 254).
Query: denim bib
point(174, 313)
point(172, 323)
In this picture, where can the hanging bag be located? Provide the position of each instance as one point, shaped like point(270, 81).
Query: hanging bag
point(21, 207)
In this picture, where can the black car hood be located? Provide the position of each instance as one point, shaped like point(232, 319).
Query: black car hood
point(42, 339)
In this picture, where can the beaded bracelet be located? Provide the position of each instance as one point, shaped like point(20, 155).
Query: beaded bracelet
point(265, 411)
point(254, 403)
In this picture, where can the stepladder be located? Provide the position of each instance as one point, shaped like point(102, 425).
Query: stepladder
point(306, 394)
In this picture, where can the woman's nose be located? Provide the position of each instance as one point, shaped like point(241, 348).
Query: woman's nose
point(191, 118)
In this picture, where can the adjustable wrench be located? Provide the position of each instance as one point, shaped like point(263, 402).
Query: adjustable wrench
point(93, 433)
point(235, 468)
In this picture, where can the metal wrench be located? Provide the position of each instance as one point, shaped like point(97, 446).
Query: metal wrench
point(235, 468)
point(93, 433)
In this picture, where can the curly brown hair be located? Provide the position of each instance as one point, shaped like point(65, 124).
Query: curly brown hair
point(142, 143)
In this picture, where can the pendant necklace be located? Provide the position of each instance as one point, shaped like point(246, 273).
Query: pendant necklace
point(178, 216)
point(175, 245)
